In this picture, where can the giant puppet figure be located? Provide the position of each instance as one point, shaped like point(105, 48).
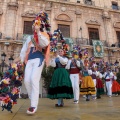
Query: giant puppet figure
point(108, 76)
point(60, 86)
point(34, 52)
point(73, 66)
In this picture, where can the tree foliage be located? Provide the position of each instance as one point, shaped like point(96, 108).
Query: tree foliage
point(47, 76)
point(1, 75)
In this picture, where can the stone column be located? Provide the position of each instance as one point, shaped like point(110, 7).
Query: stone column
point(107, 27)
point(48, 9)
point(79, 24)
point(11, 19)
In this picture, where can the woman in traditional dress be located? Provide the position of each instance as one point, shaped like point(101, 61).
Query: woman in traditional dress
point(99, 85)
point(115, 86)
point(60, 87)
point(87, 86)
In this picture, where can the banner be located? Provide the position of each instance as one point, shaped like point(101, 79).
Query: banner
point(98, 48)
point(69, 41)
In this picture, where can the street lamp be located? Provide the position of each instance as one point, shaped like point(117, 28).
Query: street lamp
point(11, 60)
point(3, 55)
point(80, 31)
point(3, 64)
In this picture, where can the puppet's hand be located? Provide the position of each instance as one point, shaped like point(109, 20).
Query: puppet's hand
point(37, 22)
point(37, 28)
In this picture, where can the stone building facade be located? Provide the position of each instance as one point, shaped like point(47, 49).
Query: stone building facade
point(80, 20)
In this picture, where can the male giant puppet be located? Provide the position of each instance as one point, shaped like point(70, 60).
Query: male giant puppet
point(34, 52)
point(74, 70)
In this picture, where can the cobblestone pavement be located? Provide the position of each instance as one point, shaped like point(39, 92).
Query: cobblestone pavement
point(100, 109)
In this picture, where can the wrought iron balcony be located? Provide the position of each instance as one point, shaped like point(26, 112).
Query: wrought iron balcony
point(78, 41)
point(89, 2)
point(21, 36)
point(85, 41)
point(105, 43)
point(78, 1)
point(82, 41)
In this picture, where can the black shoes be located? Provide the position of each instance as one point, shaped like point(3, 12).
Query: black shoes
point(76, 101)
point(98, 97)
point(56, 105)
point(87, 99)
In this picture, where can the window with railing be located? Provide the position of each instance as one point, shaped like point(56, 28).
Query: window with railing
point(0, 35)
point(65, 29)
point(115, 6)
point(89, 2)
point(93, 34)
point(64, 0)
point(27, 27)
point(78, 1)
point(81, 41)
point(118, 36)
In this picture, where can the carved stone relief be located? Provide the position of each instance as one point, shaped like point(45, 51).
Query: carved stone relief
point(93, 22)
point(63, 9)
point(117, 24)
point(13, 5)
point(105, 14)
point(63, 17)
point(29, 13)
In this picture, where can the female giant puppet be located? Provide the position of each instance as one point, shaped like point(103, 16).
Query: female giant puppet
point(87, 86)
point(34, 52)
point(60, 87)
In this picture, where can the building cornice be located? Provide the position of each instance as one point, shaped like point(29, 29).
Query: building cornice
point(85, 6)
point(114, 11)
point(13, 5)
point(76, 4)
point(10, 42)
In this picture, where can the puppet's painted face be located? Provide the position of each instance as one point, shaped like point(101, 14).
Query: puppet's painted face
point(61, 52)
point(37, 22)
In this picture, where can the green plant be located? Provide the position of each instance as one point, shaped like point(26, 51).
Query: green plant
point(47, 76)
point(1, 75)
